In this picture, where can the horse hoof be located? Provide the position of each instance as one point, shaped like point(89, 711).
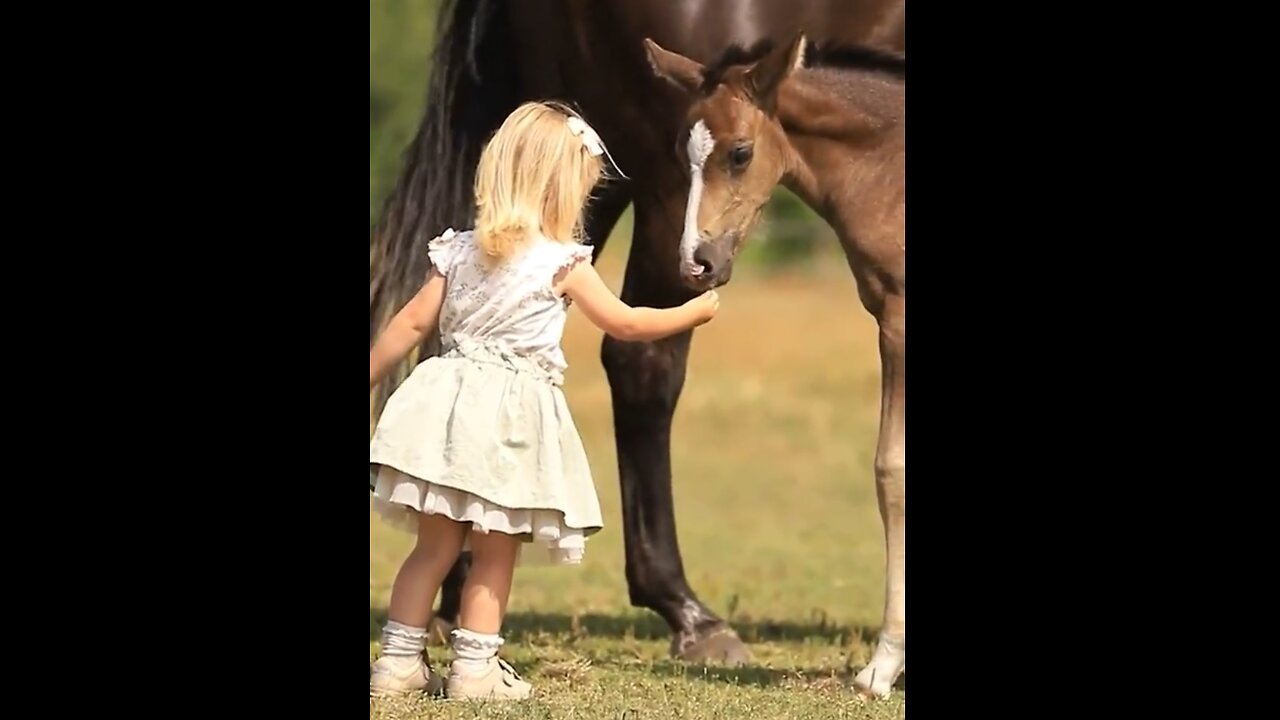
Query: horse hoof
point(887, 665)
point(438, 631)
point(720, 646)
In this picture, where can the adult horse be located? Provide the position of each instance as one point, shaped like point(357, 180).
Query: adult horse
point(493, 54)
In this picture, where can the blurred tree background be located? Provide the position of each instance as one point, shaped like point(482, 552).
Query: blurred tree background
point(401, 34)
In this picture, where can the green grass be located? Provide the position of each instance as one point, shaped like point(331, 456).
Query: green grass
point(776, 510)
point(772, 460)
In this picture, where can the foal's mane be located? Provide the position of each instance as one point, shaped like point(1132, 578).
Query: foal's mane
point(832, 56)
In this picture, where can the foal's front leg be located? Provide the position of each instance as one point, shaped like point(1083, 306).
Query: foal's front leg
point(890, 657)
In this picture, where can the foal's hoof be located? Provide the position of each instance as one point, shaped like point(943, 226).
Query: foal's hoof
point(438, 631)
point(719, 646)
point(886, 666)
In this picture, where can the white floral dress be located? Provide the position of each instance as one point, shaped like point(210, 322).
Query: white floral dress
point(482, 433)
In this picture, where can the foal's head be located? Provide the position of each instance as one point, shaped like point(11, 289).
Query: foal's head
point(735, 149)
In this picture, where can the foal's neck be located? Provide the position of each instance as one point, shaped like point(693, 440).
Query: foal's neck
point(835, 120)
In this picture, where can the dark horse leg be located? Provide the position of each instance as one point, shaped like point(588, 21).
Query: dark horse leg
point(445, 618)
point(645, 380)
point(602, 215)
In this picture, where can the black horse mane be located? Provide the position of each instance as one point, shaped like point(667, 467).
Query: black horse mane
point(855, 57)
point(832, 55)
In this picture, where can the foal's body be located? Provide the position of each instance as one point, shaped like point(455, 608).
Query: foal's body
point(858, 184)
point(836, 135)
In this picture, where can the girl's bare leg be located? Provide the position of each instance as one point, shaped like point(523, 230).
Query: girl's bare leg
point(484, 596)
point(476, 671)
point(439, 543)
point(402, 669)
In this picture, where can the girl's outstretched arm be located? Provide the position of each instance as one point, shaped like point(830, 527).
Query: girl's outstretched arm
point(583, 285)
point(407, 329)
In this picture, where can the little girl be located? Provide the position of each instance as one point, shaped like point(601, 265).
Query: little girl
point(477, 446)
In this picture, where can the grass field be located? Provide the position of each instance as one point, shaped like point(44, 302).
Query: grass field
point(776, 510)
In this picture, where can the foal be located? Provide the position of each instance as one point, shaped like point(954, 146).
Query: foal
point(833, 130)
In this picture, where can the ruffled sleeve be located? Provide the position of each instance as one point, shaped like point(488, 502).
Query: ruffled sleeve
point(569, 256)
point(574, 254)
point(445, 250)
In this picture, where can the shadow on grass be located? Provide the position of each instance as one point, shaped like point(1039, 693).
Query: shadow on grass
point(648, 626)
point(760, 676)
point(751, 675)
point(520, 626)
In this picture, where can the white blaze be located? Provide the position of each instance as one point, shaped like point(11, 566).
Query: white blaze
point(699, 149)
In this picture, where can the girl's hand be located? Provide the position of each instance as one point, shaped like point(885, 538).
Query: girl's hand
point(705, 306)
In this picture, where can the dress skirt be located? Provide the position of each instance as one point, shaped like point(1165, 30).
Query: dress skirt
point(484, 437)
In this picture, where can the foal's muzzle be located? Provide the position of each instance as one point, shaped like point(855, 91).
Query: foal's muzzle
point(714, 260)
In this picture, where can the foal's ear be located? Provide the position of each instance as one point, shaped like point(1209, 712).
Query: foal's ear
point(676, 69)
point(764, 78)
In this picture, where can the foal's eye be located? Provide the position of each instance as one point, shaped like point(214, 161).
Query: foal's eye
point(740, 157)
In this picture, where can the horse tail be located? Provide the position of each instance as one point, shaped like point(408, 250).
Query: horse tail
point(471, 89)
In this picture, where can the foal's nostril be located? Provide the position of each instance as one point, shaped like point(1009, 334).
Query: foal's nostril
point(702, 261)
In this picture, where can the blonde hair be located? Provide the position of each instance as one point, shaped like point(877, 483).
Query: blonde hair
point(534, 177)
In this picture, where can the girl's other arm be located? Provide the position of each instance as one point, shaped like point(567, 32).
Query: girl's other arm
point(633, 324)
point(407, 329)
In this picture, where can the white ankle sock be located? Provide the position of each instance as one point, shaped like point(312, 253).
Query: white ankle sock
point(472, 651)
point(403, 641)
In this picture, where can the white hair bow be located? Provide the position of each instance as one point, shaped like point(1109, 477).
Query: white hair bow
point(591, 139)
point(579, 127)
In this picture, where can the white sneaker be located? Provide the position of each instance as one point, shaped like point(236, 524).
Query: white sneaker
point(499, 681)
point(391, 676)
